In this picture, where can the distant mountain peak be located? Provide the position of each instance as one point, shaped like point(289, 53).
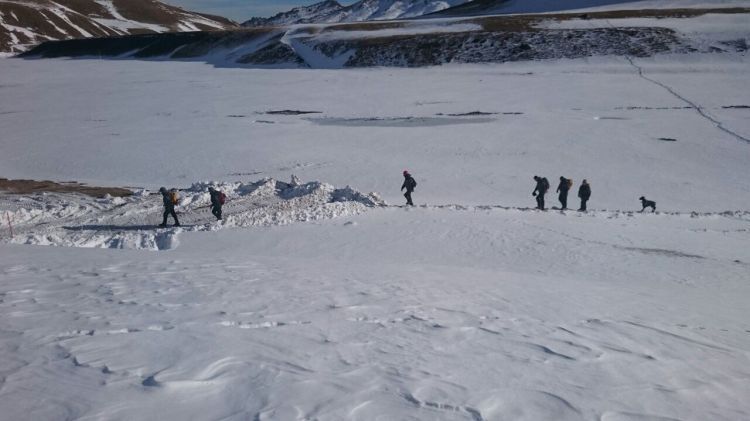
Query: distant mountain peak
point(317, 12)
point(330, 11)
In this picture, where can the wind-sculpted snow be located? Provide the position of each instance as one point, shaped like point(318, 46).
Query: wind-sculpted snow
point(433, 313)
point(131, 223)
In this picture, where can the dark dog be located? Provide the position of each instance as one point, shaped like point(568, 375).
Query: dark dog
point(647, 204)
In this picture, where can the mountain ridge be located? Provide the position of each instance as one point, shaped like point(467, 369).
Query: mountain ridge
point(417, 43)
point(330, 11)
point(24, 23)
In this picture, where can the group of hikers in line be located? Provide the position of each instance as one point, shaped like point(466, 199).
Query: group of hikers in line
point(542, 185)
point(171, 198)
point(541, 188)
point(584, 193)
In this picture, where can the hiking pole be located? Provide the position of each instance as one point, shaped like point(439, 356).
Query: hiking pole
point(10, 226)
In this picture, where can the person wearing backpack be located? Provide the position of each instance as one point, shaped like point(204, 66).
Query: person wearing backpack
point(563, 188)
point(218, 198)
point(542, 185)
point(409, 184)
point(170, 198)
point(584, 192)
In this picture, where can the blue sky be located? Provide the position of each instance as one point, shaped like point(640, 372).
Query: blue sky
point(241, 10)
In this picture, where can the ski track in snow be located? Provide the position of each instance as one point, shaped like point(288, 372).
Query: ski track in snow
point(693, 105)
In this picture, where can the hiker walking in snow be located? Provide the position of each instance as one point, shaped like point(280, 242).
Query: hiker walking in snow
point(409, 184)
point(562, 188)
point(542, 185)
point(217, 201)
point(584, 193)
point(170, 198)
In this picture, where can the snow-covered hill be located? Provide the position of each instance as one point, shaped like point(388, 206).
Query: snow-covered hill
point(330, 11)
point(24, 23)
point(427, 42)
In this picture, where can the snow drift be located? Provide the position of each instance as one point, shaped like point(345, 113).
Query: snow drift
point(131, 222)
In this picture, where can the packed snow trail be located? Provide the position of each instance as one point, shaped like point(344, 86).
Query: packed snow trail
point(132, 222)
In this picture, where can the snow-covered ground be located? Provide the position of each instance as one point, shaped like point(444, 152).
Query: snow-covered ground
point(147, 124)
point(703, 32)
point(317, 302)
point(597, 5)
point(551, 6)
point(131, 222)
point(431, 314)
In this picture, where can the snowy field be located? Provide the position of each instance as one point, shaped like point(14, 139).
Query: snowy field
point(147, 124)
point(314, 301)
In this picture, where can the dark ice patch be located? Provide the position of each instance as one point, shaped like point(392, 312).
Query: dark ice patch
point(292, 112)
point(398, 121)
point(469, 114)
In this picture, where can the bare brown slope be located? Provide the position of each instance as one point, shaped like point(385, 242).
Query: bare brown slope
point(32, 186)
point(35, 18)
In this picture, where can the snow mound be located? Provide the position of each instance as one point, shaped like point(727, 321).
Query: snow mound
point(131, 223)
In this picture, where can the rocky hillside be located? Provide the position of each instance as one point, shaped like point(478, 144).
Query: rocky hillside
point(324, 11)
point(330, 11)
point(636, 33)
point(24, 23)
point(497, 7)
